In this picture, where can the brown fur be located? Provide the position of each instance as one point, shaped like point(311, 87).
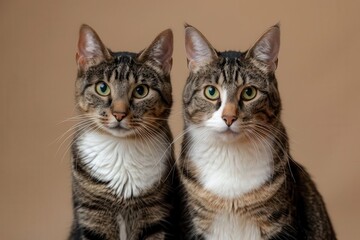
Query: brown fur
point(287, 205)
point(100, 210)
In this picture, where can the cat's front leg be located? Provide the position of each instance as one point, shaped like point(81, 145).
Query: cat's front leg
point(94, 224)
point(157, 236)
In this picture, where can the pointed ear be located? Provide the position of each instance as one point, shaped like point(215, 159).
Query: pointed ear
point(91, 50)
point(160, 51)
point(199, 51)
point(266, 49)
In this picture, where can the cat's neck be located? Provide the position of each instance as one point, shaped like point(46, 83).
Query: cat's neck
point(230, 169)
point(129, 165)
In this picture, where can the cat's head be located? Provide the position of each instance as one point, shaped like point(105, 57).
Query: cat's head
point(232, 94)
point(123, 93)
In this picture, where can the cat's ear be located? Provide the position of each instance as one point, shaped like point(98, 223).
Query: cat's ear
point(199, 51)
point(160, 51)
point(91, 50)
point(266, 49)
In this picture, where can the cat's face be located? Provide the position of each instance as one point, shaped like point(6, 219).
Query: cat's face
point(124, 94)
point(231, 95)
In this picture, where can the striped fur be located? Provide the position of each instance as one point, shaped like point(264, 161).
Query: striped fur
point(122, 158)
point(239, 179)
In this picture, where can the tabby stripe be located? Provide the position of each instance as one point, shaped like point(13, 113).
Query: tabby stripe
point(236, 75)
point(79, 168)
point(127, 75)
point(187, 174)
point(201, 207)
point(152, 229)
point(116, 74)
point(162, 96)
point(86, 87)
point(92, 235)
point(223, 72)
point(93, 205)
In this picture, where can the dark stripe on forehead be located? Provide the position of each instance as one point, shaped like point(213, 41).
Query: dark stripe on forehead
point(237, 75)
point(108, 74)
point(223, 72)
point(116, 74)
point(230, 65)
point(124, 64)
point(127, 75)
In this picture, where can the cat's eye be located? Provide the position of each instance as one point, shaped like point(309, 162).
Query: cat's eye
point(211, 92)
point(141, 91)
point(248, 93)
point(102, 89)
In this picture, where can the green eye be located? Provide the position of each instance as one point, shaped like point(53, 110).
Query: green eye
point(141, 91)
point(102, 89)
point(211, 93)
point(248, 93)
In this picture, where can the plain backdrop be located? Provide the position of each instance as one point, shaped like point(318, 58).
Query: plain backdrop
point(318, 77)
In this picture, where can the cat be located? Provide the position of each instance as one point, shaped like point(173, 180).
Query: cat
point(122, 157)
point(239, 179)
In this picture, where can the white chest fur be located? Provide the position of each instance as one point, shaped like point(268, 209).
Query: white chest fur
point(230, 227)
point(230, 169)
point(129, 165)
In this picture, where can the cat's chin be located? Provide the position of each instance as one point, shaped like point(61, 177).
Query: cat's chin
point(229, 135)
point(118, 131)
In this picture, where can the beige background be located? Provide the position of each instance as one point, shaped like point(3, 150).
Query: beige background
point(318, 78)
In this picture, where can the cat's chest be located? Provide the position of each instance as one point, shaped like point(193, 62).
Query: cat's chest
point(230, 226)
point(231, 170)
point(129, 166)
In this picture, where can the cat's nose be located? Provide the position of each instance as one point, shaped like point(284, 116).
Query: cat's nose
point(229, 119)
point(119, 115)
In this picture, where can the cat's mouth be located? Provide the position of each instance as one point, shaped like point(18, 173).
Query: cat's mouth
point(230, 131)
point(116, 127)
point(229, 134)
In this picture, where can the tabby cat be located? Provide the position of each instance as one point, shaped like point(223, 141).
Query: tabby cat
point(239, 179)
point(121, 154)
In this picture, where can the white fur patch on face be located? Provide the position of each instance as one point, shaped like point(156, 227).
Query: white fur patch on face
point(131, 166)
point(216, 122)
point(229, 226)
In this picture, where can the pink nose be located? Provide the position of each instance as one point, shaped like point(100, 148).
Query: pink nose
point(229, 120)
point(119, 115)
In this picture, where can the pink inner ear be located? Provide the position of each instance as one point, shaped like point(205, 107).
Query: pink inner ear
point(167, 65)
point(165, 51)
point(160, 50)
point(199, 52)
point(81, 61)
point(193, 44)
point(267, 48)
point(90, 48)
point(189, 47)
